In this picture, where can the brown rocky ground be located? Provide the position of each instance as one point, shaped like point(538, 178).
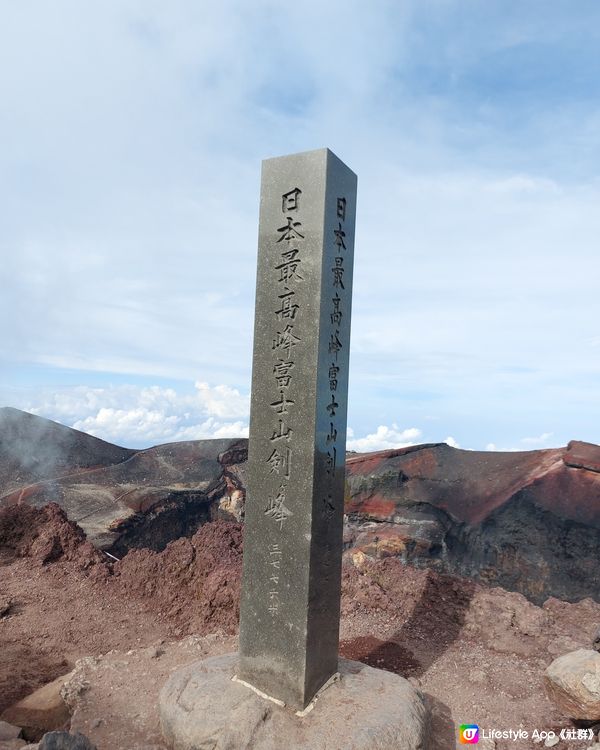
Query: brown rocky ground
point(478, 653)
point(527, 521)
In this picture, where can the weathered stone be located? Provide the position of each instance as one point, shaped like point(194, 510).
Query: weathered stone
point(596, 642)
point(6, 604)
point(289, 625)
point(40, 711)
point(527, 521)
point(201, 708)
point(14, 744)
point(9, 731)
point(65, 741)
point(573, 683)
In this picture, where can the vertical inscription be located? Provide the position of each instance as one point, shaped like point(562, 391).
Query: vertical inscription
point(335, 349)
point(285, 277)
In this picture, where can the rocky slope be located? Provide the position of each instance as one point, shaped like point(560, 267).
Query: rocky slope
point(121, 498)
point(33, 448)
point(126, 624)
point(529, 521)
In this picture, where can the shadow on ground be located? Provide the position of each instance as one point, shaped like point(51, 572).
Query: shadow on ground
point(434, 624)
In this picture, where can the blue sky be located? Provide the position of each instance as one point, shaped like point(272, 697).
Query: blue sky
point(132, 134)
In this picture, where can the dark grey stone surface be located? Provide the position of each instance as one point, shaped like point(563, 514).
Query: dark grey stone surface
point(65, 741)
point(290, 605)
point(201, 708)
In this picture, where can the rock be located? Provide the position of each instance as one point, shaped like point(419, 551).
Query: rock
point(41, 711)
point(5, 605)
point(15, 744)
point(563, 644)
point(65, 741)
point(527, 521)
point(9, 731)
point(75, 685)
point(551, 741)
point(366, 709)
point(596, 642)
point(572, 682)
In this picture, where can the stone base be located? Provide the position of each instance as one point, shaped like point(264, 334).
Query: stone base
point(201, 708)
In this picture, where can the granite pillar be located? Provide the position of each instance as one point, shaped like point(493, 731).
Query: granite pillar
point(290, 607)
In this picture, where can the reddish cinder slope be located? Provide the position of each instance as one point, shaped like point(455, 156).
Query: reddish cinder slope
point(471, 485)
point(529, 521)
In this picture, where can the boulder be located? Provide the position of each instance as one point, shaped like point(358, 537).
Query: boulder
point(15, 744)
point(365, 709)
point(572, 682)
point(41, 711)
point(9, 731)
point(65, 741)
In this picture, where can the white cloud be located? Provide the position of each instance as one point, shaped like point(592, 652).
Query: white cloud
point(451, 442)
point(222, 401)
point(540, 440)
point(385, 438)
point(141, 416)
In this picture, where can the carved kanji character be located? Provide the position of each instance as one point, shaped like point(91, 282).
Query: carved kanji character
point(289, 201)
point(288, 309)
point(289, 232)
point(339, 237)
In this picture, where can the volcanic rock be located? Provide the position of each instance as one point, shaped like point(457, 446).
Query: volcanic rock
point(528, 521)
point(41, 711)
point(9, 731)
point(121, 498)
point(33, 448)
point(65, 741)
point(572, 682)
point(366, 709)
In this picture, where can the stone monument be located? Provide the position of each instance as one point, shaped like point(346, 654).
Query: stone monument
point(265, 697)
point(290, 608)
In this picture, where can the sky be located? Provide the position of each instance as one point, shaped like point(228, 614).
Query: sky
point(132, 134)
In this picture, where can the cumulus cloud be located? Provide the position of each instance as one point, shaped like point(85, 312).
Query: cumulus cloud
point(384, 438)
point(142, 416)
point(451, 442)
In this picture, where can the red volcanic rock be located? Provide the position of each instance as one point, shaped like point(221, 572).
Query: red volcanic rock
point(205, 569)
point(529, 521)
point(582, 455)
point(468, 485)
point(46, 535)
